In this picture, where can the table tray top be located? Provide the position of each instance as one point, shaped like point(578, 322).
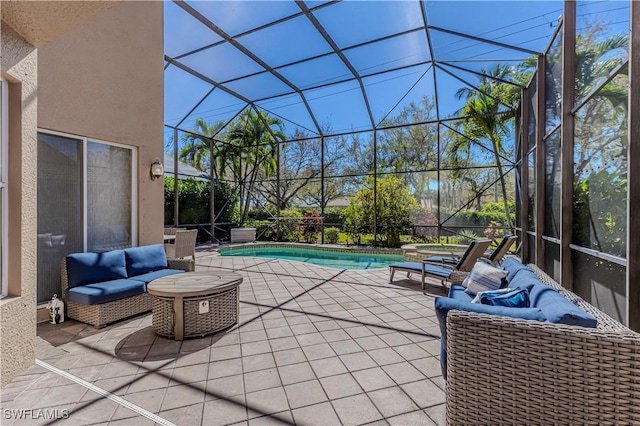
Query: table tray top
point(197, 283)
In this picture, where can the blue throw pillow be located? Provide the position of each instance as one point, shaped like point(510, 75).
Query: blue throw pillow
point(514, 298)
point(87, 268)
point(144, 259)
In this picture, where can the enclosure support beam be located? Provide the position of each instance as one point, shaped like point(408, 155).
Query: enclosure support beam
point(633, 158)
point(566, 147)
point(540, 155)
point(525, 104)
point(176, 208)
point(212, 191)
point(375, 187)
point(322, 203)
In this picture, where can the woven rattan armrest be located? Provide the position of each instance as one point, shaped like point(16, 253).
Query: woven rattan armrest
point(506, 370)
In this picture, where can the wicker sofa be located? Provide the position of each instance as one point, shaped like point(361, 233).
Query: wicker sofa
point(503, 370)
point(100, 288)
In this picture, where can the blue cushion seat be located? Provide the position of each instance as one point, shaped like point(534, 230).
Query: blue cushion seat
point(150, 276)
point(445, 304)
point(141, 260)
point(107, 291)
point(87, 268)
point(557, 309)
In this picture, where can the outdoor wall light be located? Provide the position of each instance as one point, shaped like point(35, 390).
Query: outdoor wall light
point(157, 171)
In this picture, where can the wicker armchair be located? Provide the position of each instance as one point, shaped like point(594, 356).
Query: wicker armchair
point(183, 248)
point(510, 371)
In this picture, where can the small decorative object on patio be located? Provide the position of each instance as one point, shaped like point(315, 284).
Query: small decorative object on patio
point(56, 310)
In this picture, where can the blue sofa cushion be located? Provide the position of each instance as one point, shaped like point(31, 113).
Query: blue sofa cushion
point(558, 309)
point(87, 268)
point(444, 304)
point(141, 260)
point(107, 291)
point(514, 298)
point(524, 278)
point(513, 265)
point(458, 292)
point(150, 276)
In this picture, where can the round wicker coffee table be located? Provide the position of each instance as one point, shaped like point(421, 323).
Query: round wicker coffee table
point(194, 304)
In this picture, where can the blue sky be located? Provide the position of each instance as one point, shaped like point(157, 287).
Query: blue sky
point(341, 106)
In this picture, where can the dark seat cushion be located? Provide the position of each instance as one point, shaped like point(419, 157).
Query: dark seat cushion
point(107, 291)
point(150, 276)
point(141, 260)
point(87, 268)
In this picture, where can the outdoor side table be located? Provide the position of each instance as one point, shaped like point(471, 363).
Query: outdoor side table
point(194, 303)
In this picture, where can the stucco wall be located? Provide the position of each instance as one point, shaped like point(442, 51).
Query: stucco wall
point(17, 312)
point(104, 80)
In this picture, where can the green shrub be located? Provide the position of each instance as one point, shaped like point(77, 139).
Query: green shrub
point(332, 235)
point(193, 201)
point(333, 216)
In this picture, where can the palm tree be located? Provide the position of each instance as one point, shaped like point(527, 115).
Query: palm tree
point(199, 146)
point(251, 151)
point(200, 152)
point(485, 120)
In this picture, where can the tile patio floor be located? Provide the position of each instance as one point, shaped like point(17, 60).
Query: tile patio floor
point(313, 346)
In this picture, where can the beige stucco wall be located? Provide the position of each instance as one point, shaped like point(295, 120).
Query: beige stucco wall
point(18, 62)
point(104, 80)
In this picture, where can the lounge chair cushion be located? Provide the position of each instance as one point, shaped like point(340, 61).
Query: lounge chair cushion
point(445, 304)
point(107, 291)
point(141, 260)
point(445, 260)
point(87, 268)
point(484, 277)
point(429, 269)
point(150, 276)
point(558, 309)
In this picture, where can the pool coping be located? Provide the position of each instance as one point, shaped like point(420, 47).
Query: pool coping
point(323, 247)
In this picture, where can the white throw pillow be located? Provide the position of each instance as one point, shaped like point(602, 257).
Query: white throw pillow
point(484, 277)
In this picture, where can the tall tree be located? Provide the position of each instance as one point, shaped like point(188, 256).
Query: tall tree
point(487, 119)
point(250, 151)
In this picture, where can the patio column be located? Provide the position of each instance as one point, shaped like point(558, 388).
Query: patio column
point(566, 142)
point(633, 164)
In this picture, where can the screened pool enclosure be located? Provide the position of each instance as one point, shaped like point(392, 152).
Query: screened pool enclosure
point(389, 122)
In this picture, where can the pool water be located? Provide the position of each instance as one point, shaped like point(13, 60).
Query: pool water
point(332, 259)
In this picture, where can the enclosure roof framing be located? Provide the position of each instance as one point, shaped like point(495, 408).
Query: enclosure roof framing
point(304, 62)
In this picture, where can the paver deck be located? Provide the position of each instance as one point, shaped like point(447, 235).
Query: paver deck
point(314, 345)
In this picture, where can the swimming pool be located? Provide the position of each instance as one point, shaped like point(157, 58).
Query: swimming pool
point(318, 256)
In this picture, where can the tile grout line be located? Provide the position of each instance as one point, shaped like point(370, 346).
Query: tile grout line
point(121, 401)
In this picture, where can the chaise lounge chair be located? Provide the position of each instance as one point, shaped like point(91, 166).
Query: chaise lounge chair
point(453, 274)
point(493, 256)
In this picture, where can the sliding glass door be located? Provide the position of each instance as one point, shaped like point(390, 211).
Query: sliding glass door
point(85, 201)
